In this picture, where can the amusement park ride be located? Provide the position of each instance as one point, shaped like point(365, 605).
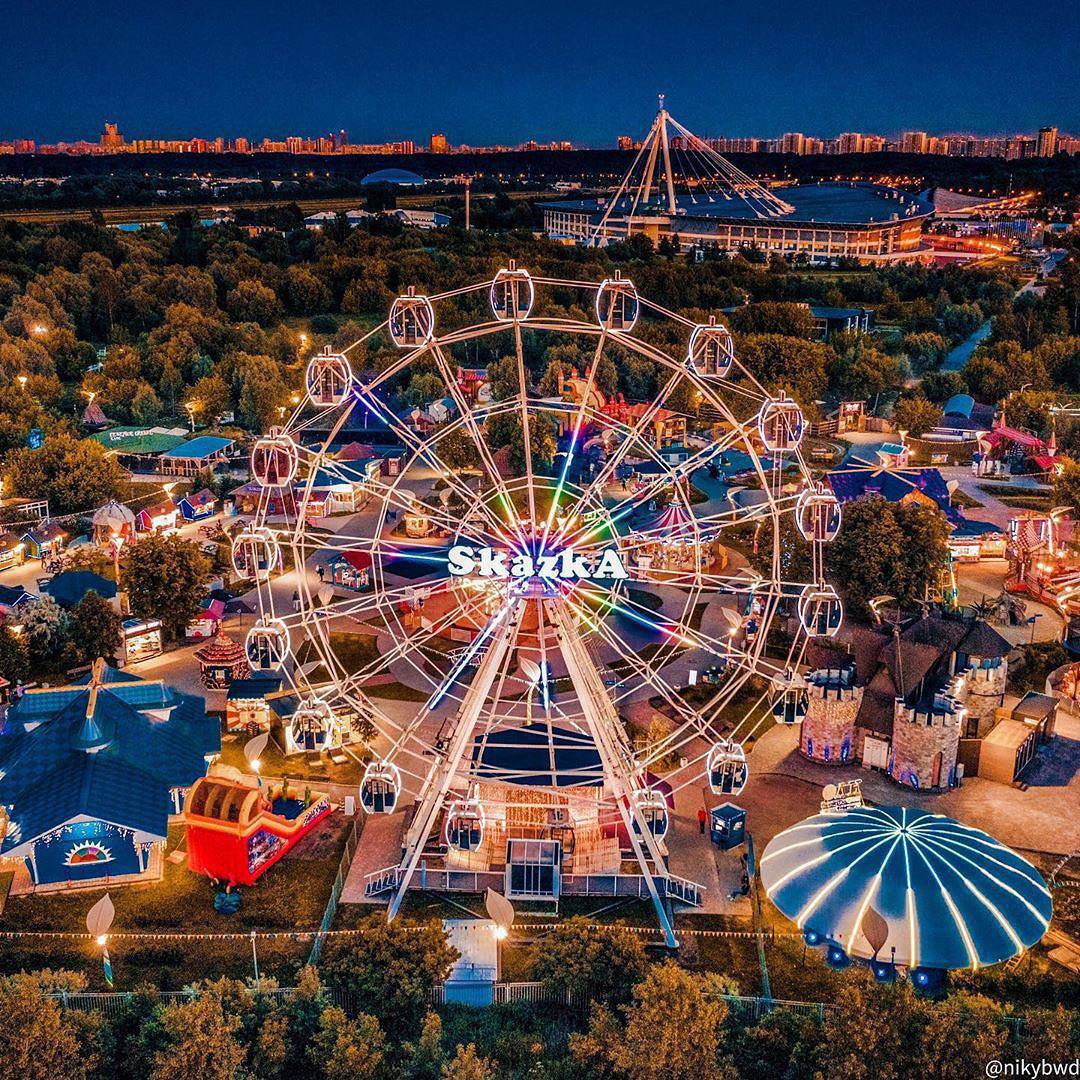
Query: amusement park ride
point(532, 624)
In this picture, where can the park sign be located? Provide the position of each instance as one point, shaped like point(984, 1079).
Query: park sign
point(566, 565)
point(842, 797)
point(140, 440)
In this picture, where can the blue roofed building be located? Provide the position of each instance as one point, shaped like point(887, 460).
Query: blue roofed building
point(195, 455)
point(90, 773)
point(969, 540)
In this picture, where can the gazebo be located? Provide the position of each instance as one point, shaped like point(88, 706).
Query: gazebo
point(903, 887)
point(113, 520)
point(220, 661)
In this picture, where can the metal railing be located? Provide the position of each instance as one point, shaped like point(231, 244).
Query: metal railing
point(351, 842)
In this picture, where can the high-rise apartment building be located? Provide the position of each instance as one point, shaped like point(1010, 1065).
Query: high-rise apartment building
point(1047, 142)
point(439, 145)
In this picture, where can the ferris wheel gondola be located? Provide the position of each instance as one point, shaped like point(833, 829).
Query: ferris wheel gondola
point(821, 612)
point(412, 320)
point(780, 425)
point(726, 768)
point(511, 294)
point(267, 644)
point(255, 554)
point(328, 379)
point(275, 461)
point(380, 787)
point(465, 825)
point(617, 304)
point(652, 809)
point(818, 514)
point(790, 698)
point(711, 351)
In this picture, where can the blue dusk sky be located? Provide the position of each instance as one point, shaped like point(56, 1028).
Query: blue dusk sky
point(486, 72)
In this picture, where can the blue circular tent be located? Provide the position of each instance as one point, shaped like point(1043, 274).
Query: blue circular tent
point(950, 896)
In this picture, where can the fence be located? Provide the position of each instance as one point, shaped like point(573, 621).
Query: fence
point(351, 842)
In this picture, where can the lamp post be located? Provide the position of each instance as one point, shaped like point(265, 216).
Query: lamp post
point(191, 406)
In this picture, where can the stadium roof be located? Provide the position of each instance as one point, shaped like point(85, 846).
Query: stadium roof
point(949, 895)
point(838, 204)
point(401, 177)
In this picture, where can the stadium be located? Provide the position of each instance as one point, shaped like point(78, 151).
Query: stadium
point(679, 189)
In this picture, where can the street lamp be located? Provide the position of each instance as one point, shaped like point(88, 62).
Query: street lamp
point(191, 406)
point(22, 382)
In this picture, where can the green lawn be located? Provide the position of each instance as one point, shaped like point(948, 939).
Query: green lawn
point(291, 894)
point(353, 651)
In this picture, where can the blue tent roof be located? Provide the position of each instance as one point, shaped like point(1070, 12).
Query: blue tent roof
point(68, 588)
point(202, 447)
point(951, 896)
point(119, 763)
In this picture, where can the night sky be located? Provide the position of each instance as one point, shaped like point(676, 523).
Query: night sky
point(487, 72)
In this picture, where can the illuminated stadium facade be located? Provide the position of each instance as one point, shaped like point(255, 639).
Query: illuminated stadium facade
point(679, 189)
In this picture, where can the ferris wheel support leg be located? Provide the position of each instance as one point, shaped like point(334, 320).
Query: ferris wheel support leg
point(442, 775)
point(617, 762)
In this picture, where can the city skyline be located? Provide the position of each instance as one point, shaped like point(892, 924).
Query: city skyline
point(1045, 142)
point(254, 69)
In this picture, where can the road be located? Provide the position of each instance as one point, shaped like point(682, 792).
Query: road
point(124, 215)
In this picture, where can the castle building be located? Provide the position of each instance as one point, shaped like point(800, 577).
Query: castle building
point(905, 700)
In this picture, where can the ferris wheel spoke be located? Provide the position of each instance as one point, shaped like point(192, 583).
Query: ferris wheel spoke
point(424, 452)
point(487, 459)
point(579, 417)
point(526, 426)
point(631, 438)
point(638, 662)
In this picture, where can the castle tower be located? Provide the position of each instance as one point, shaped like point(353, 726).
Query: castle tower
point(984, 656)
point(925, 741)
point(828, 729)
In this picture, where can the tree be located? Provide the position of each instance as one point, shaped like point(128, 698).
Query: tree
point(1067, 484)
point(672, 1031)
point(14, 660)
point(75, 475)
point(44, 629)
point(595, 962)
point(426, 1056)
point(916, 415)
point(347, 1049)
point(200, 1040)
point(307, 295)
point(787, 363)
point(939, 386)
point(783, 1045)
point(925, 351)
point(391, 969)
point(213, 397)
point(39, 1041)
point(467, 1064)
point(146, 406)
point(251, 301)
point(770, 317)
point(94, 629)
point(883, 548)
point(165, 578)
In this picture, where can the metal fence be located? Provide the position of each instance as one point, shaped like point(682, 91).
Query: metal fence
point(351, 842)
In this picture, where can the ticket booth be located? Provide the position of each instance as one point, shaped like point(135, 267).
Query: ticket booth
point(727, 825)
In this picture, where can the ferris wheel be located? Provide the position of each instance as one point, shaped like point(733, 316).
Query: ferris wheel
point(544, 566)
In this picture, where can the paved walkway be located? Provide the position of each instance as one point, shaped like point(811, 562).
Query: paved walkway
point(379, 847)
point(1041, 816)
